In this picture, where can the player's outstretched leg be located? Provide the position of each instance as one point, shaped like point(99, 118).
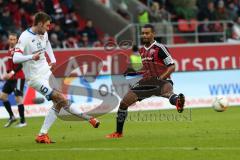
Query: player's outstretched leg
point(129, 99)
point(60, 102)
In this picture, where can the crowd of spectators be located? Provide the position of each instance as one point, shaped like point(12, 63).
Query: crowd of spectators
point(209, 15)
point(66, 30)
point(198, 9)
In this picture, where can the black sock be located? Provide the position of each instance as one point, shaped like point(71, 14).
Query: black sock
point(21, 113)
point(173, 99)
point(8, 108)
point(121, 117)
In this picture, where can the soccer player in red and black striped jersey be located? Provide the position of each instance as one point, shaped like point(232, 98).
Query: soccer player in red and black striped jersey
point(14, 83)
point(157, 68)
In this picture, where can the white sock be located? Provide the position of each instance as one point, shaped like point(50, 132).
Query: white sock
point(48, 122)
point(76, 112)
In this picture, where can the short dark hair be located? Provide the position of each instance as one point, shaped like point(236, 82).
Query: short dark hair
point(149, 26)
point(41, 17)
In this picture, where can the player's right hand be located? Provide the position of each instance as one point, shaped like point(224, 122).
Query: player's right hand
point(36, 56)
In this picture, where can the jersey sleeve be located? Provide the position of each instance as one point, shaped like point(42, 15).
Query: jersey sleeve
point(50, 53)
point(21, 45)
point(164, 55)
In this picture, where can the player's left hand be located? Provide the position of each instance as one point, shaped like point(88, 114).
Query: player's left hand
point(52, 66)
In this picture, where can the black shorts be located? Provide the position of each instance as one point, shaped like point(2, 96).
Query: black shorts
point(15, 86)
point(146, 88)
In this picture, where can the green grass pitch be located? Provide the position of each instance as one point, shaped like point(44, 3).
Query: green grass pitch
point(196, 134)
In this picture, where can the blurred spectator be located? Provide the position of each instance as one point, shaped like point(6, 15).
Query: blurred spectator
point(97, 44)
point(229, 31)
point(13, 7)
point(236, 29)
point(202, 4)
point(143, 16)
point(55, 41)
point(29, 6)
point(24, 19)
point(164, 14)
point(58, 31)
point(64, 19)
point(40, 5)
point(135, 60)
point(232, 11)
point(91, 32)
point(219, 27)
point(49, 7)
point(68, 4)
point(205, 28)
point(186, 9)
point(70, 42)
point(84, 42)
point(4, 42)
point(209, 13)
point(221, 11)
point(6, 20)
point(57, 6)
point(158, 12)
point(71, 24)
point(155, 8)
point(58, 16)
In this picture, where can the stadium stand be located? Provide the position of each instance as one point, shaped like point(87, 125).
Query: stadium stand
point(196, 15)
point(67, 28)
point(217, 18)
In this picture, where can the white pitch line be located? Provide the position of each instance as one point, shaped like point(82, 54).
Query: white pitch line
point(125, 149)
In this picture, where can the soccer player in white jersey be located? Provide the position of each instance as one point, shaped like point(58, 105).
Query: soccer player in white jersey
point(30, 51)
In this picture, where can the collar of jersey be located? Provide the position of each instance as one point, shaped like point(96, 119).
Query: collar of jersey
point(29, 30)
point(150, 45)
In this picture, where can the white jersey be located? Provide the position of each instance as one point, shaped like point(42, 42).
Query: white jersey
point(30, 43)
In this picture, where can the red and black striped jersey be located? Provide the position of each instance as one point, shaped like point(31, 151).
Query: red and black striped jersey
point(156, 58)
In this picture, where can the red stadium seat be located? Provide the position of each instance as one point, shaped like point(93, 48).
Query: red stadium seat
point(183, 25)
point(187, 26)
point(193, 25)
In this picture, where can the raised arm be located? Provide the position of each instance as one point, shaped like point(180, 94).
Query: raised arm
point(18, 56)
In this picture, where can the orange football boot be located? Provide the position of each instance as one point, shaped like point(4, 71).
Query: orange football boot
point(94, 122)
point(44, 138)
point(114, 135)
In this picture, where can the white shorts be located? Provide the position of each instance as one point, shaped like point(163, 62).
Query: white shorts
point(42, 86)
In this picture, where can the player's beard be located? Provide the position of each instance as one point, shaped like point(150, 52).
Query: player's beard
point(146, 42)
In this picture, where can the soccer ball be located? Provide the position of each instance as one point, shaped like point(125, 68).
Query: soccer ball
point(220, 104)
